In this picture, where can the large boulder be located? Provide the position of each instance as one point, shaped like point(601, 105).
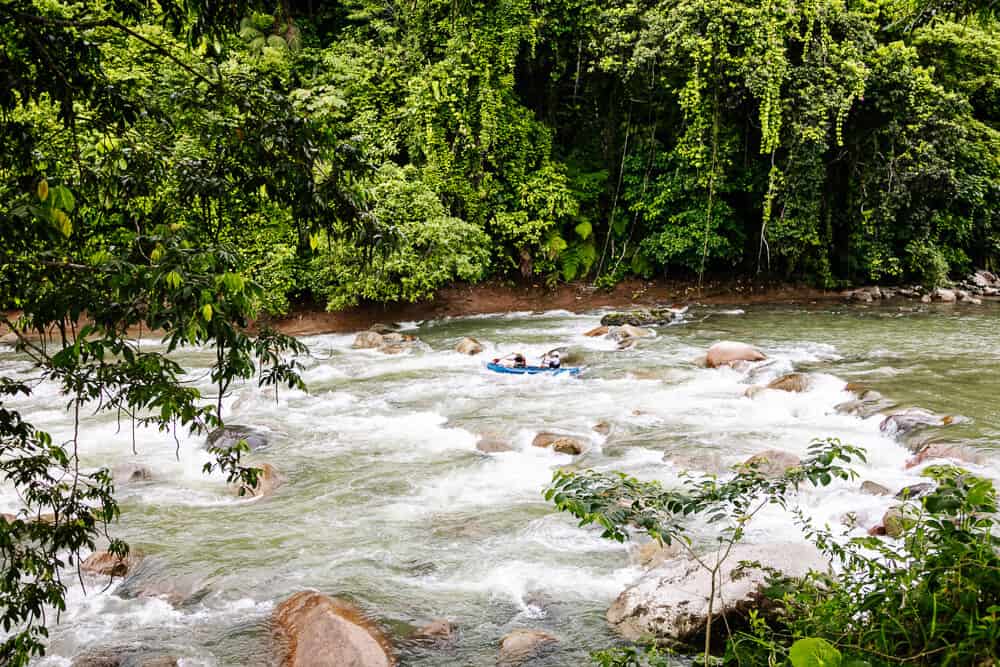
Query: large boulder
point(944, 295)
point(368, 340)
point(946, 450)
point(109, 565)
point(268, 480)
point(905, 421)
point(563, 444)
point(796, 382)
point(469, 346)
point(522, 644)
point(641, 317)
point(671, 602)
point(230, 434)
point(318, 631)
point(771, 463)
point(727, 352)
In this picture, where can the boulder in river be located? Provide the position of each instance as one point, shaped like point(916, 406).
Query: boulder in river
point(874, 489)
point(367, 340)
point(795, 382)
point(771, 463)
point(641, 317)
point(904, 421)
point(109, 565)
point(914, 491)
point(944, 295)
point(319, 631)
point(230, 434)
point(563, 444)
point(946, 450)
point(124, 657)
point(469, 346)
point(268, 480)
point(868, 402)
point(438, 631)
point(671, 602)
point(395, 343)
point(523, 644)
point(491, 444)
point(130, 473)
point(627, 332)
point(597, 331)
point(383, 329)
point(727, 352)
point(602, 428)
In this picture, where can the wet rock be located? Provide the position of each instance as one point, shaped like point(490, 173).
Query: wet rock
point(523, 644)
point(653, 554)
point(867, 294)
point(268, 480)
point(489, 444)
point(396, 343)
point(796, 382)
point(984, 279)
point(771, 463)
point(230, 434)
point(914, 491)
point(726, 353)
point(124, 657)
point(627, 332)
point(944, 295)
point(153, 578)
point(382, 329)
point(319, 631)
point(602, 428)
point(642, 317)
point(671, 602)
point(704, 460)
point(874, 489)
point(563, 444)
point(868, 403)
point(438, 631)
point(597, 331)
point(130, 473)
point(945, 450)
point(109, 565)
point(926, 298)
point(367, 340)
point(905, 421)
point(897, 519)
point(469, 346)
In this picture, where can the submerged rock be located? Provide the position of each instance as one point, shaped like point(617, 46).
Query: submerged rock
point(903, 422)
point(130, 473)
point(268, 480)
point(110, 565)
point(771, 463)
point(318, 631)
point(522, 644)
point(868, 402)
point(795, 382)
point(489, 444)
point(230, 434)
point(874, 489)
point(727, 352)
point(671, 602)
point(945, 450)
point(367, 340)
point(469, 346)
point(124, 657)
point(438, 631)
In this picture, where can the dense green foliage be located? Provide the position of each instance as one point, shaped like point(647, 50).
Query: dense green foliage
point(930, 597)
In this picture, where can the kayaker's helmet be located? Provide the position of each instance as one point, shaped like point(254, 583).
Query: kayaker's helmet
point(555, 355)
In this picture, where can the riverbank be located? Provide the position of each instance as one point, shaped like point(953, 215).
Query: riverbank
point(576, 297)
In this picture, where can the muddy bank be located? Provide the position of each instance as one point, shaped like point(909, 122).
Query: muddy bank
point(494, 297)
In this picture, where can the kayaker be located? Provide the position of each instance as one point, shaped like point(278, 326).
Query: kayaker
point(515, 360)
point(552, 359)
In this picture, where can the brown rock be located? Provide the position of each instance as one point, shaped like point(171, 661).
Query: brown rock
point(602, 427)
point(107, 564)
point(269, 480)
point(874, 489)
point(318, 631)
point(522, 644)
point(489, 444)
point(944, 450)
point(597, 331)
point(726, 353)
point(771, 463)
point(796, 382)
point(438, 631)
point(653, 554)
point(469, 346)
point(367, 340)
point(382, 329)
point(560, 443)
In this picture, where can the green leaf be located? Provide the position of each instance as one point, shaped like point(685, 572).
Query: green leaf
point(43, 190)
point(62, 222)
point(206, 312)
point(814, 652)
point(584, 229)
point(63, 198)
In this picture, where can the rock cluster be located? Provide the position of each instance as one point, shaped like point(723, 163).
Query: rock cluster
point(643, 317)
point(979, 284)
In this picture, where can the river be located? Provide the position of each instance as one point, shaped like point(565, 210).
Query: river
point(388, 503)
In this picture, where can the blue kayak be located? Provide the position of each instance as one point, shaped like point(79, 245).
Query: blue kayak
point(532, 370)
